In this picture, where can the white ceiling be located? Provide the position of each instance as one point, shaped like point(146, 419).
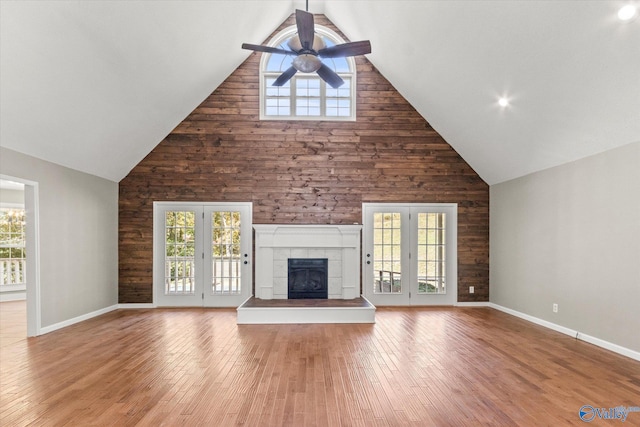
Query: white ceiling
point(96, 85)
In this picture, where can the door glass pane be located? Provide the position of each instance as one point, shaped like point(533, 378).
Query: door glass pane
point(431, 250)
point(225, 253)
point(387, 253)
point(179, 276)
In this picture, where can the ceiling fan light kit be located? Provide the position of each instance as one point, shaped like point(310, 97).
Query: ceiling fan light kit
point(307, 63)
point(309, 50)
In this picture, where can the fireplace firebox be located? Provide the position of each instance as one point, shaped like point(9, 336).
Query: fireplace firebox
point(308, 278)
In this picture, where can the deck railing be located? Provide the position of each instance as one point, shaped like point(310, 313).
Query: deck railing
point(388, 282)
point(179, 273)
point(12, 271)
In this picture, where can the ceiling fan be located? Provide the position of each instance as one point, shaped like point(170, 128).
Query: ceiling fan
point(309, 49)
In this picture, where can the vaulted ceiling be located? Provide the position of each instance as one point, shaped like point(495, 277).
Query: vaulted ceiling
point(96, 85)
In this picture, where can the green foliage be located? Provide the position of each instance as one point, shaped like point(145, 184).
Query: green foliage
point(226, 234)
point(180, 239)
point(12, 226)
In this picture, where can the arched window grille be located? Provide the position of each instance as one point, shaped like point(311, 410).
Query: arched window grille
point(306, 96)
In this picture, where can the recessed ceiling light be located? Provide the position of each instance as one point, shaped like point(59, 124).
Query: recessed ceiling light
point(503, 102)
point(628, 12)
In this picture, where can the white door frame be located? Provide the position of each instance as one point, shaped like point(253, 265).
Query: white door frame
point(32, 253)
point(409, 295)
point(158, 250)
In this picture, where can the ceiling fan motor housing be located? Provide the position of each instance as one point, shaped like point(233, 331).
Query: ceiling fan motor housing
point(295, 45)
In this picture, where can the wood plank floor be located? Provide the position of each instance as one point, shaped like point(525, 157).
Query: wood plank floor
point(415, 366)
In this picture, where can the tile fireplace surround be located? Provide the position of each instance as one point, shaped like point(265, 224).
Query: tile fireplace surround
point(276, 243)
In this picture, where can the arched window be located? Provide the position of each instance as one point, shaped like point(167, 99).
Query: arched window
point(306, 96)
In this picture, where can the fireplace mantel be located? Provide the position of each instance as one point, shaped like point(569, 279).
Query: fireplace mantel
point(276, 243)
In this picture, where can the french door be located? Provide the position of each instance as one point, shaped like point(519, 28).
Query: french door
point(410, 253)
point(202, 254)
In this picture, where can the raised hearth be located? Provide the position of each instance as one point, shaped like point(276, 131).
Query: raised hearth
point(277, 311)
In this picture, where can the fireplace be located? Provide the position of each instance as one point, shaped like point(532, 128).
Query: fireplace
point(277, 243)
point(307, 278)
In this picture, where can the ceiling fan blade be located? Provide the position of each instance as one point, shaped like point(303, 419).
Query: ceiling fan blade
point(285, 77)
point(269, 49)
point(329, 76)
point(346, 49)
point(304, 22)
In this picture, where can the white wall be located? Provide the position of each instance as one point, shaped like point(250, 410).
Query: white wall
point(78, 231)
point(571, 235)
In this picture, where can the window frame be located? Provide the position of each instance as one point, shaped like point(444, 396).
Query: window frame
point(347, 76)
point(18, 286)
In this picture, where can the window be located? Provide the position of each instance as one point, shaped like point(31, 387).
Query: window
point(306, 96)
point(431, 253)
point(12, 244)
point(387, 254)
point(180, 253)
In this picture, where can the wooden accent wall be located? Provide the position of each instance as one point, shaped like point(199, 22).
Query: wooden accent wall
point(302, 172)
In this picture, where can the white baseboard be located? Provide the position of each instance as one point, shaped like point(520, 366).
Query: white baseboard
point(572, 333)
point(137, 305)
point(63, 324)
point(609, 346)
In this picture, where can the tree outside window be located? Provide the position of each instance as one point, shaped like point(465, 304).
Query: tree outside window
point(12, 246)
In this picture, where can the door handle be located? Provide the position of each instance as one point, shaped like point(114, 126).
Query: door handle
point(245, 261)
point(368, 256)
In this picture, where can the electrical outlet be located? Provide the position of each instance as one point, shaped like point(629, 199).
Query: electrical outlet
point(555, 308)
point(472, 289)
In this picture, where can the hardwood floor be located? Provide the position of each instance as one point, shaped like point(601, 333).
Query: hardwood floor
point(415, 366)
